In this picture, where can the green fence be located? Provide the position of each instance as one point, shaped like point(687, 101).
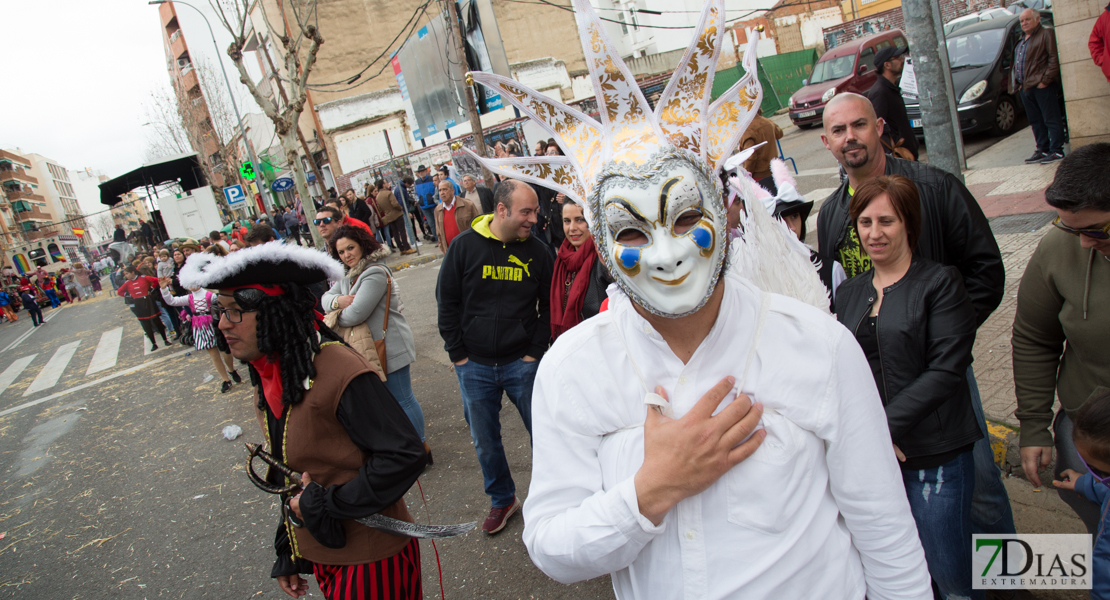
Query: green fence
point(780, 75)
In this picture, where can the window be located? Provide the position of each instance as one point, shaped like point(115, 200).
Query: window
point(867, 59)
point(624, 25)
point(55, 253)
point(38, 256)
point(900, 42)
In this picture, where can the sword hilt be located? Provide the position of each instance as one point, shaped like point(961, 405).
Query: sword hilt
point(255, 450)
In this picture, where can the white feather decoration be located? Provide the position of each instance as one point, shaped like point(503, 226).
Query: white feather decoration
point(768, 254)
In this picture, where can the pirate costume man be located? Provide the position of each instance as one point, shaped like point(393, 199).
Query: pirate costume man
point(324, 412)
point(708, 436)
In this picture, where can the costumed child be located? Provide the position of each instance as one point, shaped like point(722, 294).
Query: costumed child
point(1091, 433)
point(200, 303)
point(139, 289)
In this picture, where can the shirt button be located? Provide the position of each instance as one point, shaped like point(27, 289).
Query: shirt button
point(682, 380)
point(647, 329)
point(691, 534)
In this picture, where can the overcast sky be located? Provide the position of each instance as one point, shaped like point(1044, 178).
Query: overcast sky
point(78, 73)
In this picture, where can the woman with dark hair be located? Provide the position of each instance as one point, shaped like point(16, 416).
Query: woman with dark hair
point(367, 301)
point(915, 323)
point(580, 278)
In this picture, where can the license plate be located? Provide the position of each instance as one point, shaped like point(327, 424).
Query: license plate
point(808, 113)
point(915, 123)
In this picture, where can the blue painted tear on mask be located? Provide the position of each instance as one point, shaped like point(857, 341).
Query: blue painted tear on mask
point(702, 237)
point(630, 257)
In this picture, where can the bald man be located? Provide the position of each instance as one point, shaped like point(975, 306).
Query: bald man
point(954, 232)
point(1037, 73)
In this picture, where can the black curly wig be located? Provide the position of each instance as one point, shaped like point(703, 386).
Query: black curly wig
point(286, 331)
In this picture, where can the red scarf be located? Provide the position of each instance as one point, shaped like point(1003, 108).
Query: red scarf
point(580, 262)
point(270, 374)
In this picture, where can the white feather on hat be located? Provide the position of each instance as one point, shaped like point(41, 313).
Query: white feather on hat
point(267, 264)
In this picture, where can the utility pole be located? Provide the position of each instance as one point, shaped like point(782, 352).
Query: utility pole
point(454, 20)
point(938, 108)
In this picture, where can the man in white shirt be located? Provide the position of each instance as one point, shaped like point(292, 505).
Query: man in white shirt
point(700, 439)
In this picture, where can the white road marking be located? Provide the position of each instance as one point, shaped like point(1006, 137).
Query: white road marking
point(90, 384)
point(27, 334)
point(52, 372)
point(106, 351)
point(13, 371)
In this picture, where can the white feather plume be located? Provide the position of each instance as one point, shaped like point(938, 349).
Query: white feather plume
point(202, 269)
point(768, 254)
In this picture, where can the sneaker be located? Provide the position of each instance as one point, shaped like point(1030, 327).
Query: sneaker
point(1037, 156)
point(1052, 157)
point(409, 251)
point(153, 347)
point(499, 517)
point(225, 387)
point(235, 377)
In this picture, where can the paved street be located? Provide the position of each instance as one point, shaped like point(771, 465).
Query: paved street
point(118, 483)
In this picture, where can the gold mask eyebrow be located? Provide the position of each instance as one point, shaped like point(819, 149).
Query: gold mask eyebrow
point(621, 202)
point(664, 192)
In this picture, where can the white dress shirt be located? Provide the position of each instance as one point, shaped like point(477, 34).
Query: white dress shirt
point(819, 511)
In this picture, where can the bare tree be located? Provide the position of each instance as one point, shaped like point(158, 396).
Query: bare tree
point(165, 133)
point(101, 226)
point(300, 40)
point(178, 126)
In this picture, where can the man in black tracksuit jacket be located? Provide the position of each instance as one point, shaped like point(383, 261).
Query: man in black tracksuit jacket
point(493, 294)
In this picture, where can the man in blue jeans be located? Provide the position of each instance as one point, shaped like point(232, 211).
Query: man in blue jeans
point(493, 294)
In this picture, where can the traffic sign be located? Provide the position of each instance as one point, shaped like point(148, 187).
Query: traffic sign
point(234, 194)
point(247, 171)
point(281, 184)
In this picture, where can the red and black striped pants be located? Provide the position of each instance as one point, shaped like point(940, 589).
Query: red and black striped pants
point(393, 578)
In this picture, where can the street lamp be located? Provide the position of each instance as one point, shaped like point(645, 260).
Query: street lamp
point(230, 92)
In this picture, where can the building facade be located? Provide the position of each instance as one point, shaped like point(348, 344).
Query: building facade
point(129, 211)
point(25, 213)
point(61, 197)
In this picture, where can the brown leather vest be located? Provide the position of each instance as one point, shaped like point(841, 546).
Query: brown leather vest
point(316, 443)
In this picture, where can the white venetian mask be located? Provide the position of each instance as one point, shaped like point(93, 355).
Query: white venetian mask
point(660, 233)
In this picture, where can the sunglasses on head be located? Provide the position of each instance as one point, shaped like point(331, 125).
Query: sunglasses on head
point(1096, 233)
point(323, 221)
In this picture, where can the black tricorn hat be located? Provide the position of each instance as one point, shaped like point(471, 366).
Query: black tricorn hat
point(266, 264)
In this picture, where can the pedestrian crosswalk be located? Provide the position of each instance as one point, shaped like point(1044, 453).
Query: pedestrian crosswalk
point(105, 357)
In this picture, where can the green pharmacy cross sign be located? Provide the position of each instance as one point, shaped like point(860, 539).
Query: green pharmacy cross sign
point(246, 170)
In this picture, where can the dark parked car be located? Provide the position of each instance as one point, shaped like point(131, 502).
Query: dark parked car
point(981, 57)
point(848, 67)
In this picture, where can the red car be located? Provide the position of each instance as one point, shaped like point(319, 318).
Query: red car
point(848, 67)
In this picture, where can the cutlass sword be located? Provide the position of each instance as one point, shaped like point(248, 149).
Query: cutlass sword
point(375, 521)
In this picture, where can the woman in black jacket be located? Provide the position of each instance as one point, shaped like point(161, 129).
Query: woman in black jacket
point(916, 325)
point(580, 278)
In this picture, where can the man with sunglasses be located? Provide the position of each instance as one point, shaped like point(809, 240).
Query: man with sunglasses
point(328, 219)
point(1063, 320)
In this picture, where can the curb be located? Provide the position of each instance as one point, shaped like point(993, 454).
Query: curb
point(414, 262)
point(1004, 445)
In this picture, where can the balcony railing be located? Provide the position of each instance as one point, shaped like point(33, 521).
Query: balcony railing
point(175, 36)
point(16, 175)
point(34, 214)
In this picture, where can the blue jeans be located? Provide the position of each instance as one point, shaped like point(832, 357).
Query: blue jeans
point(1042, 106)
point(430, 217)
point(399, 383)
point(991, 512)
point(53, 297)
point(940, 500)
point(481, 387)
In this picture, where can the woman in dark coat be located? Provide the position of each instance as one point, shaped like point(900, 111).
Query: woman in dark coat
point(580, 279)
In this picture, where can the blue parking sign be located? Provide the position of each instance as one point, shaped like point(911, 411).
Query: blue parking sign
point(234, 195)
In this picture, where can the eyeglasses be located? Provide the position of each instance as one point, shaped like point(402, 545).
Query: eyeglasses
point(1096, 233)
point(324, 221)
point(1099, 476)
point(234, 315)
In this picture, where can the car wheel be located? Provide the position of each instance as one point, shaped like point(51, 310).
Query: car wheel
point(1005, 115)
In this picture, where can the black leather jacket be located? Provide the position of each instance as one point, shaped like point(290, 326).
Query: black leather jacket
point(954, 231)
point(925, 328)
